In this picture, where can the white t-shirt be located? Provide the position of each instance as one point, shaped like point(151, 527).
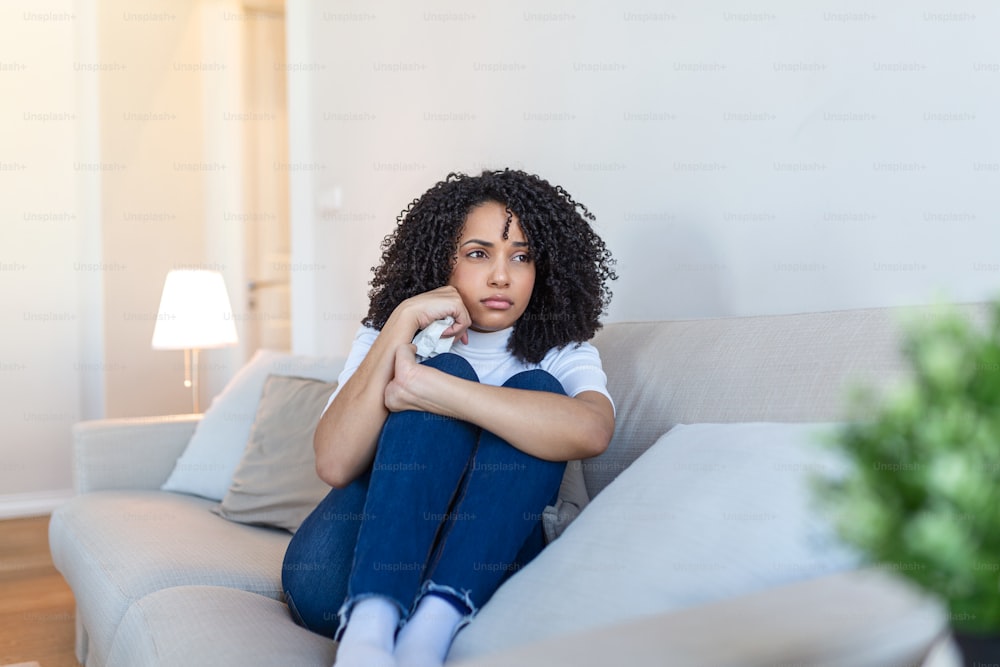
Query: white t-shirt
point(576, 366)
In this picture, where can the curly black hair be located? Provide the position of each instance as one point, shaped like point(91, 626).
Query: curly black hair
point(572, 264)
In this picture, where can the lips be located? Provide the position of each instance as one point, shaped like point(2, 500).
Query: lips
point(497, 302)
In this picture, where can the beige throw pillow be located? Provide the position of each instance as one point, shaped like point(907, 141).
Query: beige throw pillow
point(220, 439)
point(275, 483)
point(573, 497)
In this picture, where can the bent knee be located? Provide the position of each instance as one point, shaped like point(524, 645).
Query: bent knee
point(536, 380)
point(452, 364)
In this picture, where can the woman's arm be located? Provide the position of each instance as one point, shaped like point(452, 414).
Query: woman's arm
point(546, 425)
point(347, 433)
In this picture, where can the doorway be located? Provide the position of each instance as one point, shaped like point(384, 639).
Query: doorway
point(267, 236)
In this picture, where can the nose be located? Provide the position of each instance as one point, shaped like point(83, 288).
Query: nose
point(498, 275)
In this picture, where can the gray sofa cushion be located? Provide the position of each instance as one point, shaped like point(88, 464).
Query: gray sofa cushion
point(114, 547)
point(223, 627)
point(709, 512)
point(789, 368)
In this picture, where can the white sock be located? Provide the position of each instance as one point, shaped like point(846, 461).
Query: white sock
point(425, 639)
point(370, 634)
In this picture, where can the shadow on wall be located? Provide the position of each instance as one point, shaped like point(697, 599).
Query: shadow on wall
point(664, 274)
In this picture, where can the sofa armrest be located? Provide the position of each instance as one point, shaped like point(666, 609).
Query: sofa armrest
point(861, 618)
point(131, 453)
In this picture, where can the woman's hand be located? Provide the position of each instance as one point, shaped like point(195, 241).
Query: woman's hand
point(388, 379)
point(402, 392)
point(405, 391)
point(437, 304)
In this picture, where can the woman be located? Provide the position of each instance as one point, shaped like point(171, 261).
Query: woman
point(441, 468)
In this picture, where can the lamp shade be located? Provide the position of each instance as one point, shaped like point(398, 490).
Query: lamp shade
point(194, 313)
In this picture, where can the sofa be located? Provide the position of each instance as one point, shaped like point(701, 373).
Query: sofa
point(694, 541)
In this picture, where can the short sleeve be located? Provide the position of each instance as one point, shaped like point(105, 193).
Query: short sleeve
point(578, 368)
point(363, 341)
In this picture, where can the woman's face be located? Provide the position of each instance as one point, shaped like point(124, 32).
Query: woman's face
point(493, 275)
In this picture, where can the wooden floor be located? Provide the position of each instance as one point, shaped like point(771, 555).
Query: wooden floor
point(36, 605)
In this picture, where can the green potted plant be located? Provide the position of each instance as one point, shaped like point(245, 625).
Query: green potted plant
point(921, 489)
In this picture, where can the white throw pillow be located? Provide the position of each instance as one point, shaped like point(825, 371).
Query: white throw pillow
point(206, 467)
point(710, 511)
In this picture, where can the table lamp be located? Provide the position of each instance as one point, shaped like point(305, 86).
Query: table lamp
point(195, 314)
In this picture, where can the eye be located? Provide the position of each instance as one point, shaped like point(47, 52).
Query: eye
point(522, 257)
point(476, 254)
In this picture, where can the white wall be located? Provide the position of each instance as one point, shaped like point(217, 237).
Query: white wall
point(40, 370)
point(170, 169)
point(116, 165)
point(740, 159)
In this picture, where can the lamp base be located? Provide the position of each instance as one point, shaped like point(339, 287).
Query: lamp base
point(191, 377)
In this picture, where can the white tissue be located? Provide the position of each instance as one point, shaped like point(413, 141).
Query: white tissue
point(429, 341)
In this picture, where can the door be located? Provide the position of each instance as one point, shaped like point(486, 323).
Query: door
point(267, 231)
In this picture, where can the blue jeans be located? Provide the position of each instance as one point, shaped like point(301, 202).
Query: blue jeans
point(446, 509)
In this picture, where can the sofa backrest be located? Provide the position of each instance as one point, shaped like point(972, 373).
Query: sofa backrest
point(782, 368)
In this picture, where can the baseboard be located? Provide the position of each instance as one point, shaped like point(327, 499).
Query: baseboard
point(38, 503)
